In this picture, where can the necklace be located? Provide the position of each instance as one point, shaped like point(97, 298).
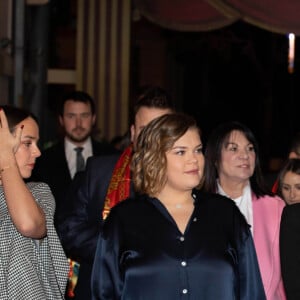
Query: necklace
point(181, 205)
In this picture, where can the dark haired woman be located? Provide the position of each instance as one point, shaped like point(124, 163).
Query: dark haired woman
point(233, 169)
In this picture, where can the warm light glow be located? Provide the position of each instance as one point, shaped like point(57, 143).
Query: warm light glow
point(291, 55)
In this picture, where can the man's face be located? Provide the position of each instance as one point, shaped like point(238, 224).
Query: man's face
point(77, 121)
point(143, 117)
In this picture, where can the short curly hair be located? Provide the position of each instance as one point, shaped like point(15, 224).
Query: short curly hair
point(149, 162)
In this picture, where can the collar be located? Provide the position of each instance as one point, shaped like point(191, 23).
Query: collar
point(69, 146)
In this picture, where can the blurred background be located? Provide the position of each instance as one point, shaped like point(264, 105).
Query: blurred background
point(219, 60)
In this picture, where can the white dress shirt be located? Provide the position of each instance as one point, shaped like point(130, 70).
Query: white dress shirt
point(71, 153)
point(244, 203)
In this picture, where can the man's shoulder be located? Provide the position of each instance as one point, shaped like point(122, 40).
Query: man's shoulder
point(103, 148)
point(102, 160)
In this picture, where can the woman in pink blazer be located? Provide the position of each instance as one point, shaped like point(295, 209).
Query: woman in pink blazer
point(233, 169)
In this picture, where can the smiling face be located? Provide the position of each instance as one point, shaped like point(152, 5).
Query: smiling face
point(185, 162)
point(28, 150)
point(237, 159)
point(290, 187)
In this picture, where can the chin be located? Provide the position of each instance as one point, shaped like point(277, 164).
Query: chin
point(194, 185)
point(26, 175)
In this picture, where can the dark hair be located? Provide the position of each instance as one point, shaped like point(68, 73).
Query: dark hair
point(213, 150)
point(149, 161)
point(77, 96)
point(295, 144)
point(154, 97)
point(291, 165)
point(16, 115)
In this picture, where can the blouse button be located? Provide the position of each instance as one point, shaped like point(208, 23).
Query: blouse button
point(184, 291)
point(183, 263)
point(181, 238)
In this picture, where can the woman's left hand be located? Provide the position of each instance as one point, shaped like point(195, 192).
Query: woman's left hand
point(9, 142)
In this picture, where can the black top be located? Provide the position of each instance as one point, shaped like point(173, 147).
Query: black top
point(141, 254)
point(290, 250)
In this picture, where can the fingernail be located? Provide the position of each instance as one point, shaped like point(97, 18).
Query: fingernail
point(22, 126)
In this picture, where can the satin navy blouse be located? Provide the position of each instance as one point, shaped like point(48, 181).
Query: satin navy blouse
point(142, 255)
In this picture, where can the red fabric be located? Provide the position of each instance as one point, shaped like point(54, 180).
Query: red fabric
point(275, 187)
point(192, 15)
point(119, 186)
point(280, 16)
point(275, 15)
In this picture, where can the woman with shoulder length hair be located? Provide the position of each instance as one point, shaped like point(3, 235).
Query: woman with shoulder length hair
point(172, 241)
point(233, 169)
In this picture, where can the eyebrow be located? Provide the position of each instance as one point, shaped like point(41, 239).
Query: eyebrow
point(184, 147)
point(229, 143)
point(233, 143)
point(78, 113)
point(29, 137)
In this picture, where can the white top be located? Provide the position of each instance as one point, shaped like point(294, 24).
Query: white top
point(71, 153)
point(244, 203)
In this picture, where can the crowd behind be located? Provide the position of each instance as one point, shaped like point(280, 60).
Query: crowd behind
point(154, 214)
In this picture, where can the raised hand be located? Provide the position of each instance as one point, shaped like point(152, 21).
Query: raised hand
point(9, 141)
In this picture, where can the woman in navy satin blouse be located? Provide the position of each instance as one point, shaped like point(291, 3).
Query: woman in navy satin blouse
point(173, 241)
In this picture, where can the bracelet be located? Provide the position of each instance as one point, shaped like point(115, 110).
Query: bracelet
point(4, 168)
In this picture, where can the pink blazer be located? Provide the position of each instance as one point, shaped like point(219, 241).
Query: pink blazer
point(266, 222)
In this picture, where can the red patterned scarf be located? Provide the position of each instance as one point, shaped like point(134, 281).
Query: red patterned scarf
point(118, 190)
point(119, 186)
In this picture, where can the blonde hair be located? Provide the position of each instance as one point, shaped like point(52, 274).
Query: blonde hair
point(149, 161)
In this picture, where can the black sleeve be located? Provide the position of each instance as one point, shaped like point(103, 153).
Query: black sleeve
point(290, 250)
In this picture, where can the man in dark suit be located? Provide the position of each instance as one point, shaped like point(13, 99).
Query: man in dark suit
point(58, 164)
point(105, 182)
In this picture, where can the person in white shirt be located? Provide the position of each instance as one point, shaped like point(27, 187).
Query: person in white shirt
point(58, 164)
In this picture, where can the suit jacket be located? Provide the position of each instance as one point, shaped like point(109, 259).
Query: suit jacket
point(290, 250)
point(52, 168)
point(82, 221)
point(267, 212)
